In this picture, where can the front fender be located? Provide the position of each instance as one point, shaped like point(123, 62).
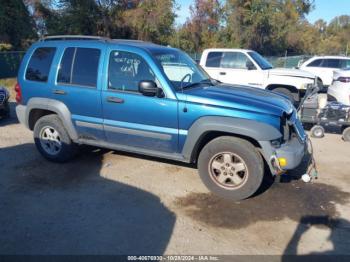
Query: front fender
point(236, 126)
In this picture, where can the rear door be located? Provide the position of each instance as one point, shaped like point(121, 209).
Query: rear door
point(78, 86)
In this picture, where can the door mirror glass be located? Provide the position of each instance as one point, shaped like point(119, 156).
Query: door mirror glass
point(250, 65)
point(148, 88)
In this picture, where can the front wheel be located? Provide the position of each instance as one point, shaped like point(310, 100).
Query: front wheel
point(293, 97)
point(52, 139)
point(231, 168)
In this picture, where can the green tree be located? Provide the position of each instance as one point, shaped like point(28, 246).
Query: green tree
point(203, 27)
point(16, 24)
point(151, 20)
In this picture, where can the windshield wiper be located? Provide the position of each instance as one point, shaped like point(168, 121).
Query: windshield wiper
point(203, 82)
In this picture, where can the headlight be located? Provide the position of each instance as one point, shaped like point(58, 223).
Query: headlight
point(307, 86)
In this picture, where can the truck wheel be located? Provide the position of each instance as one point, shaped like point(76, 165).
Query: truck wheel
point(317, 131)
point(286, 92)
point(7, 110)
point(52, 139)
point(346, 134)
point(231, 168)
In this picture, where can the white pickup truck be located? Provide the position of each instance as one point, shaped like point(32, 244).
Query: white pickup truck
point(247, 67)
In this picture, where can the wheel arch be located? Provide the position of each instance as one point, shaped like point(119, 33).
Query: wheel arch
point(295, 91)
point(208, 128)
point(39, 107)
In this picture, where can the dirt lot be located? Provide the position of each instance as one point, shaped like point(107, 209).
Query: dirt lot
point(106, 202)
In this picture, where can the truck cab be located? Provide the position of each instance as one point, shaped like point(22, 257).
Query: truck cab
point(249, 68)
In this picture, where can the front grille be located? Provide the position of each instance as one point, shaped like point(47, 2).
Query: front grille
point(2, 98)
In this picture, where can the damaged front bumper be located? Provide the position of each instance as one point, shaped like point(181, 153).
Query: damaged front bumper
point(287, 157)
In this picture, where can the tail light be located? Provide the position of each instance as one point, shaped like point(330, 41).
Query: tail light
point(343, 79)
point(18, 93)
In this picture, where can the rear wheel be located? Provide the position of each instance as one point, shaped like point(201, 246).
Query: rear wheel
point(317, 131)
point(5, 113)
point(52, 139)
point(231, 168)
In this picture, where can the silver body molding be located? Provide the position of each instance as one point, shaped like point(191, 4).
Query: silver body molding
point(260, 132)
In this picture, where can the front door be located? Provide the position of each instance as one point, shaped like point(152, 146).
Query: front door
point(130, 118)
point(234, 70)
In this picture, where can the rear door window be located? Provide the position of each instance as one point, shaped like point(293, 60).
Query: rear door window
point(79, 66)
point(40, 63)
point(213, 59)
point(331, 63)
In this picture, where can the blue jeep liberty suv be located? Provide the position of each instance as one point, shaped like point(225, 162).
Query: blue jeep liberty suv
point(153, 100)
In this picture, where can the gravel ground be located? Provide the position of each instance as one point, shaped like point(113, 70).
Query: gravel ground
point(107, 202)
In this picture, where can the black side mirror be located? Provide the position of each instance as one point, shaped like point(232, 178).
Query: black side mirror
point(250, 66)
point(148, 88)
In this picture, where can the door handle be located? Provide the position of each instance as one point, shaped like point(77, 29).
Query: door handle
point(117, 100)
point(59, 92)
point(222, 73)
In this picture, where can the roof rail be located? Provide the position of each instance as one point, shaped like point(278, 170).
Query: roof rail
point(72, 37)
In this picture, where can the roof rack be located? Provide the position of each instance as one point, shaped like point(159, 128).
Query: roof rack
point(73, 37)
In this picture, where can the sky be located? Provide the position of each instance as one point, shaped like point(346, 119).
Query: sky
point(325, 9)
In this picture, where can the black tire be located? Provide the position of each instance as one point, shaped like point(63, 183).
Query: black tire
point(68, 149)
point(308, 126)
point(252, 178)
point(7, 110)
point(317, 131)
point(346, 134)
point(288, 93)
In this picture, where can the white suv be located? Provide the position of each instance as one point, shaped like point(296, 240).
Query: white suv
point(324, 66)
point(247, 67)
point(340, 88)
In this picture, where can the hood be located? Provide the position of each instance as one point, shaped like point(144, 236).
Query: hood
point(291, 72)
point(342, 73)
point(241, 98)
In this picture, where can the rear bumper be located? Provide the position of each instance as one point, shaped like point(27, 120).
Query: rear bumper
point(21, 114)
point(293, 151)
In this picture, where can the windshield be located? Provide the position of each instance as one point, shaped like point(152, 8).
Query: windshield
point(261, 61)
point(180, 69)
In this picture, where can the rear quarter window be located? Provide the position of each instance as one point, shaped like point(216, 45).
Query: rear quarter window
point(213, 59)
point(39, 64)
